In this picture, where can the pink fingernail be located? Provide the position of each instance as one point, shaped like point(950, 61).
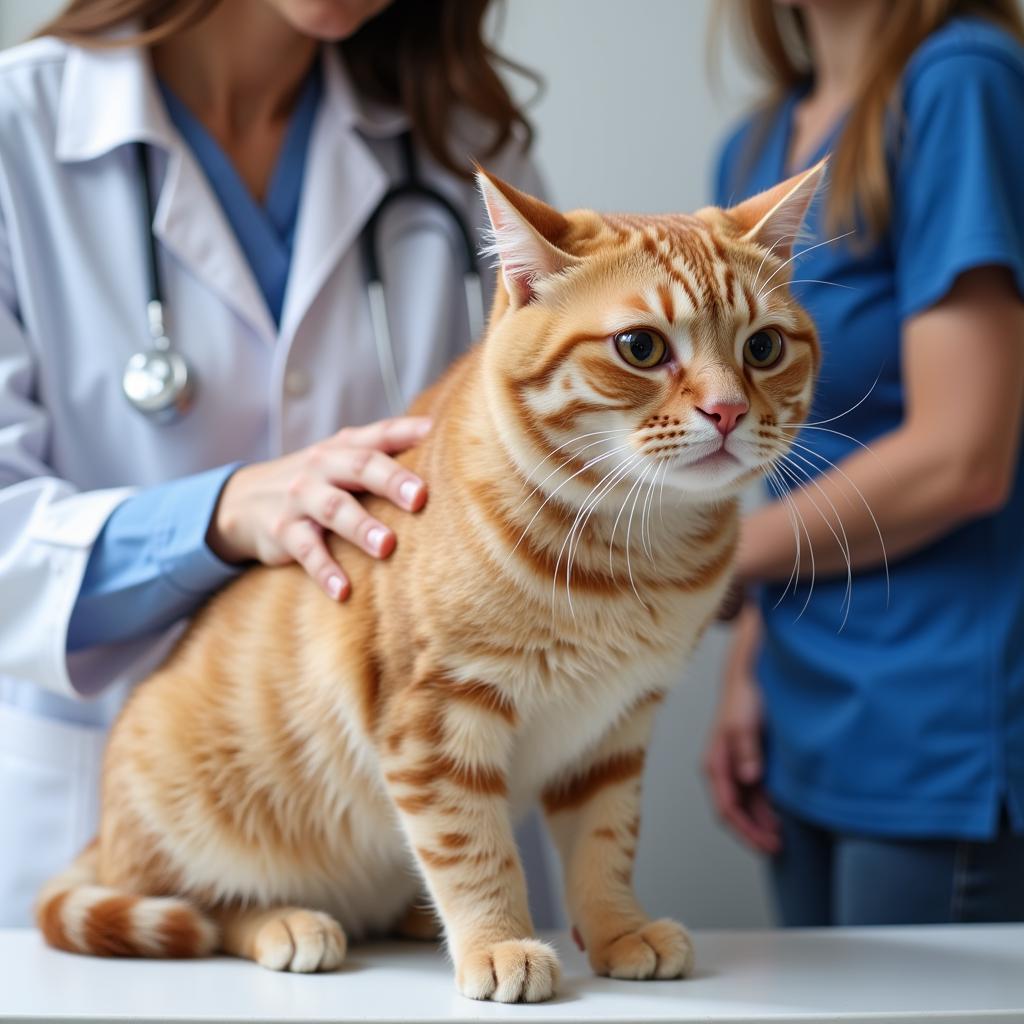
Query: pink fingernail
point(409, 491)
point(334, 586)
point(376, 537)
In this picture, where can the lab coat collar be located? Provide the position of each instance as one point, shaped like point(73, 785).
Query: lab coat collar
point(109, 98)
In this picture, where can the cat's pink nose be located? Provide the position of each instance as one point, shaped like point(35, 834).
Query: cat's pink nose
point(725, 415)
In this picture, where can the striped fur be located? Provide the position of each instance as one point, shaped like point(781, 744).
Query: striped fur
point(299, 772)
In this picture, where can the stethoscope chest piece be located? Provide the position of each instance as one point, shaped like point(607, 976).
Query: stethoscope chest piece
point(157, 381)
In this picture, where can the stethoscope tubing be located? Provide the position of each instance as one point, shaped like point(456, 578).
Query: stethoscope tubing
point(160, 383)
point(412, 187)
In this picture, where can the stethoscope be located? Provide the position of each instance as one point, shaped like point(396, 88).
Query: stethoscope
point(160, 383)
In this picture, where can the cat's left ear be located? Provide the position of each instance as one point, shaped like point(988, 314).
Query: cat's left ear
point(774, 217)
point(524, 237)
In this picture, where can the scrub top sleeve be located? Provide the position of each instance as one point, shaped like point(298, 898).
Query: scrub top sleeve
point(150, 565)
point(958, 197)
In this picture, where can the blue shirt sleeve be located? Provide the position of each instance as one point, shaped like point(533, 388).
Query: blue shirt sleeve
point(150, 565)
point(958, 197)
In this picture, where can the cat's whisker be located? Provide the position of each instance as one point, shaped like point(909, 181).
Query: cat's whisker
point(629, 467)
point(797, 255)
point(807, 280)
point(661, 492)
point(615, 526)
point(797, 524)
point(860, 494)
point(779, 492)
point(607, 484)
point(659, 477)
point(778, 241)
point(583, 469)
point(645, 521)
point(848, 437)
point(798, 475)
point(777, 478)
point(846, 412)
point(594, 496)
point(575, 454)
point(794, 429)
point(629, 526)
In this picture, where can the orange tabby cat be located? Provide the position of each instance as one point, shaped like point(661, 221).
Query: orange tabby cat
point(273, 787)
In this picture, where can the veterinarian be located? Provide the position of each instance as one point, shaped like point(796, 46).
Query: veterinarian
point(870, 737)
point(268, 133)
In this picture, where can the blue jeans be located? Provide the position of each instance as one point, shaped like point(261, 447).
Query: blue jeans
point(829, 878)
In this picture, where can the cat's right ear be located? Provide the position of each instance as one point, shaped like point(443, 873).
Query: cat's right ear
point(774, 217)
point(524, 236)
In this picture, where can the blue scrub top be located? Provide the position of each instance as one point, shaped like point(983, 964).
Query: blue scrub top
point(265, 232)
point(910, 720)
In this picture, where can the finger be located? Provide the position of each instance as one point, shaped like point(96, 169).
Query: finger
point(745, 754)
point(724, 793)
point(304, 541)
point(726, 796)
point(391, 435)
point(761, 826)
point(762, 840)
point(341, 513)
point(364, 469)
point(763, 813)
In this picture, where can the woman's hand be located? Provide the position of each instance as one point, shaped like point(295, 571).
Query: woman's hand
point(733, 761)
point(276, 512)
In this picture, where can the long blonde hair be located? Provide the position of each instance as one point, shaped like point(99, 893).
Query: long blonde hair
point(777, 41)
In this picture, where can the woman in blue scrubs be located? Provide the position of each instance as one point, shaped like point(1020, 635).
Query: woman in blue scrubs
point(870, 735)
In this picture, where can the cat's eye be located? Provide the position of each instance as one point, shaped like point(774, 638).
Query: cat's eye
point(763, 349)
point(641, 348)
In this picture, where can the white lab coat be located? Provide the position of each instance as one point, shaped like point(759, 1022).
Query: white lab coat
point(73, 309)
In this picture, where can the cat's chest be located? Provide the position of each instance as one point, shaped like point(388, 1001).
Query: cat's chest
point(572, 695)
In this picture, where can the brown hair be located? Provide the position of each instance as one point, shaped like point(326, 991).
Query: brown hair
point(429, 58)
point(777, 41)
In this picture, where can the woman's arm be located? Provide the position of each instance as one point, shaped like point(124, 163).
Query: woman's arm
point(953, 459)
point(734, 758)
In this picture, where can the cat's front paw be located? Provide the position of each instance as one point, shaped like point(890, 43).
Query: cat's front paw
point(515, 971)
point(661, 949)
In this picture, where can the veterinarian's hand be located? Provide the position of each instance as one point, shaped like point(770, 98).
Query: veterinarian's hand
point(733, 761)
point(276, 512)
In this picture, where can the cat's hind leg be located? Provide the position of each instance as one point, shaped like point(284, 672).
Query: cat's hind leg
point(420, 922)
point(283, 938)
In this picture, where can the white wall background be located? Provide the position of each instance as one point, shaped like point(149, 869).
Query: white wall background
point(628, 121)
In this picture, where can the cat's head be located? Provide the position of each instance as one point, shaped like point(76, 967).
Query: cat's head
point(643, 343)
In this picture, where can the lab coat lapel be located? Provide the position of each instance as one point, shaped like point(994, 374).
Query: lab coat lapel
point(190, 223)
point(109, 98)
point(343, 184)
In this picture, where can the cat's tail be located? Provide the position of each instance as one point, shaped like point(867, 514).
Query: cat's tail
point(79, 916)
